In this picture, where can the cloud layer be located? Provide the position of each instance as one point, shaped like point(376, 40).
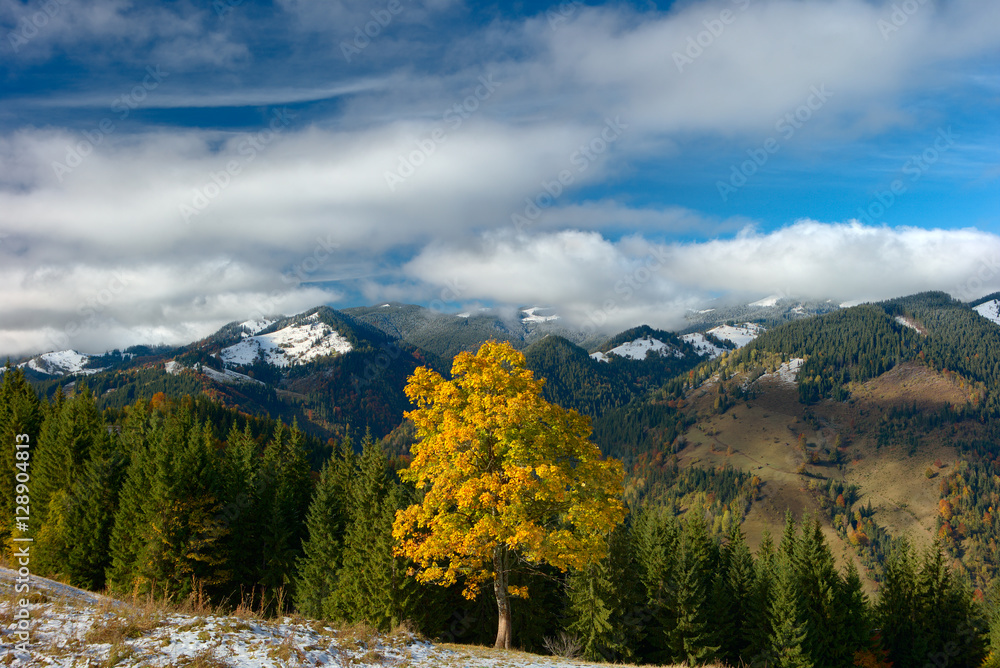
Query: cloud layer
point(194, 177)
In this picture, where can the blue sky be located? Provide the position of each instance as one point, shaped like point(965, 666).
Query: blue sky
point(166, 167)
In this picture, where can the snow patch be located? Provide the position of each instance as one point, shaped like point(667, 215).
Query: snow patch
point(292, 345)
point(740, 334)
point(906, 322)
point(59, 624)
point(772, 300)
point(173, 367)
point(251, 327)
point(639, 349)
point(989, 310)
point(464, 314)
point(703, 346)
point(61, 363)
point(531, 315)
point(228, 376)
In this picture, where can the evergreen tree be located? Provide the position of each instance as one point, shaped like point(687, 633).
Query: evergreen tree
point(91, 512)
point(790, 630)
point(372, 585)
point(284, 491)
point(732, 598)
point(896, 612)
point(605, 601)
point(691, 640)
point(322, 554)
point(657, 542)
point(20, 423)
point(760, 627)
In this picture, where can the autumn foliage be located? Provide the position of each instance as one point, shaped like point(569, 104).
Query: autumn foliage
point(503, 472)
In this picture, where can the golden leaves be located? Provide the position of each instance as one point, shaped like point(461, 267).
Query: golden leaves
point(501, 465)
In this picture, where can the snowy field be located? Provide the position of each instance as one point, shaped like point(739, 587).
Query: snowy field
point(73, 628)
point(288, 346)
point(639, 350)
point(989, 310)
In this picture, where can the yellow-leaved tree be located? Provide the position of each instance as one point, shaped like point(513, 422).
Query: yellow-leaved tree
point(504, 474)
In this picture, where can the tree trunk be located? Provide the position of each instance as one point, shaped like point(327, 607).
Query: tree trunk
point(501, 568)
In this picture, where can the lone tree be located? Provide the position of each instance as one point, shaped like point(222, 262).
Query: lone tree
point(504, 474)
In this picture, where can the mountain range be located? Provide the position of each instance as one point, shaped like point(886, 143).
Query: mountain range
point(869, 416)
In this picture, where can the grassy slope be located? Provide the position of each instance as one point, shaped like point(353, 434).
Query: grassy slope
point(762, 434)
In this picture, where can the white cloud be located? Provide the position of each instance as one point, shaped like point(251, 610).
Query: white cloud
point(617, 285)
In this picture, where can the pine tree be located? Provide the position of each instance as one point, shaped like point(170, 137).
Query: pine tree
point(657, 542)
point(691, 640)
point(91, 513)
point(732, 598)
point(61, 463)
point(285, 488)
point(141, 430)
point(760, 627)
point(605, 601)
point(319, 566)
point(372, 585)
point(817, 587)
point(20, 423)
point(896, 612)
point(854, 615)
point(790, 632)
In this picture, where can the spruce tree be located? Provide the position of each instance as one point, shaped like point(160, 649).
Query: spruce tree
point(606, 601)
point(20, 423)
point(692, 638)
point(897, 611)
point(657, 541)
point(790, 632)
point(372, 585)
point(319, 566)
point(760, 627)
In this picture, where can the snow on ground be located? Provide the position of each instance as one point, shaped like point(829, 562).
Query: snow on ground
point(291, 345)
point(740, 334)
point(464, 314)
point(852, 302)
point(227, 376)
point(906, 323)
point(639, 349)
point(532, 316)
point(256, 325)
point(788, 372)
point(703, 346)
point(60, 363)
point(771, 300)
point(69, 627)
point(989, 310)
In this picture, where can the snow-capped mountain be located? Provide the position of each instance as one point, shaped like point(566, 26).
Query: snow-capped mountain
point(291, 345)
point(702, 345)
point(59, 363)
point(739, 334)
point(989, 310)
point(639, 349)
